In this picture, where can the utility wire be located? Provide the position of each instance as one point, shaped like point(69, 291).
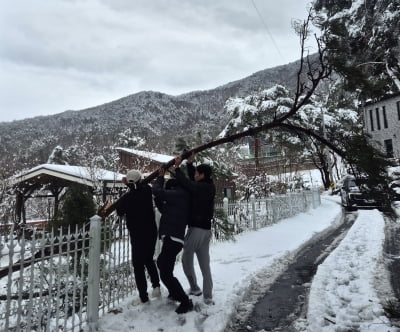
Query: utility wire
point(266, 28)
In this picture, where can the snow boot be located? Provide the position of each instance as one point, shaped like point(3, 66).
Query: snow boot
point(156, 292)
point(184, 307)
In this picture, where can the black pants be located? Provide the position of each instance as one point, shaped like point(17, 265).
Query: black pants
point(142, 256)
point(166, 263)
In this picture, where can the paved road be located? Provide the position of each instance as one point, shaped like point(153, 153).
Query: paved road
point(284, 301)
point(392, 252)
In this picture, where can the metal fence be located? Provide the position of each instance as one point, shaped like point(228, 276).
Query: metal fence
point(256, 213)
point(65, 281)
point(46, 279)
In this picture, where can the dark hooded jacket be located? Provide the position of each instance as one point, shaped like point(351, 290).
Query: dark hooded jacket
point(137, 205)
point(174, 205)
point(202, 197)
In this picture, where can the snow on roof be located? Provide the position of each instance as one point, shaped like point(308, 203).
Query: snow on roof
point(394, 172)
point(161, 158)
point(84, 175)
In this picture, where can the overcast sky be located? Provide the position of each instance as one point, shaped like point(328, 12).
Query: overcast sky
point(58, 55)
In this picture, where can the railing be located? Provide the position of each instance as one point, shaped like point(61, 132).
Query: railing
point(256, 213)
point(50, 277)
point(65, 281)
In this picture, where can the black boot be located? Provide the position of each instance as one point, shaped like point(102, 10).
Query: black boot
point(184, 307)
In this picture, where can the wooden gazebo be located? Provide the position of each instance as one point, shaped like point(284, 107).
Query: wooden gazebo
point(53, 179)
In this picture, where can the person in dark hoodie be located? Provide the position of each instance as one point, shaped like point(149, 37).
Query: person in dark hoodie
point(137, 206)
point(197, 240)
point(173, 202)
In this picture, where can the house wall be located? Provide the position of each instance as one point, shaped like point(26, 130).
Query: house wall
point(384, 131)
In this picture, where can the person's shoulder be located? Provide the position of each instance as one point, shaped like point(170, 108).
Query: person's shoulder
point(144, 187)
point(209, 185)
point(208, 182)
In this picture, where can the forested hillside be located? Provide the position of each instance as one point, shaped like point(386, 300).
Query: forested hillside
point(158, 118)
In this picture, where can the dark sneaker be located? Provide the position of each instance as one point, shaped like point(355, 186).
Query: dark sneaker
point(138, 301)
point(184, 307)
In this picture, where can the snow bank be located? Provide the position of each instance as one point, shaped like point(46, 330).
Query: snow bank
point(343, 295)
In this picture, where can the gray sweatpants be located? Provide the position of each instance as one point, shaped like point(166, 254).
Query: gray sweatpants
point(197, 241)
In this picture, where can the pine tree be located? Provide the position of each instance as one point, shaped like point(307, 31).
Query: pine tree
point(77, 206)
point(362, 40)
point(58, 156)
point(321, 115)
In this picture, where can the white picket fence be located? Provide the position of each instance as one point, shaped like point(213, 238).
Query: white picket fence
point(66, 281)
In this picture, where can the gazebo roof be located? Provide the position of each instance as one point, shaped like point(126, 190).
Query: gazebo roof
point(61, 175)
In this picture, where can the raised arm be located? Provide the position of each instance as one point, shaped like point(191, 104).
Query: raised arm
point(181, 178)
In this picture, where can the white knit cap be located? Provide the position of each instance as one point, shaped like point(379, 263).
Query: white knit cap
point(133, 176)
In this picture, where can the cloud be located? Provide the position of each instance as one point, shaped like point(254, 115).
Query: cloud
point(112, 48)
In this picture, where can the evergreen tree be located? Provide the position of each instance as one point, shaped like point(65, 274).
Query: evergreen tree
point(58, 156)
point(128, 140)
point(320, 115)
point(221, 159)
point(362, 40)
point(77, 206)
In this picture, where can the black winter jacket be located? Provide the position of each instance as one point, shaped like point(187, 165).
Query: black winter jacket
point(202, 198)
point(174, 207)
point(137, 205)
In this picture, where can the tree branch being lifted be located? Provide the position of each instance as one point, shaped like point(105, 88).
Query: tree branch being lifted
point(316, 73)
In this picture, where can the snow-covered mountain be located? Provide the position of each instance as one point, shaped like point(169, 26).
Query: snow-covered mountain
point(155, 116)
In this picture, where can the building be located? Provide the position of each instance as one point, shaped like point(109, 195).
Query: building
point(148, 162)
point(382, 122)
point(257, 156)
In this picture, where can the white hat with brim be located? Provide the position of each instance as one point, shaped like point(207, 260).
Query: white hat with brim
point(133, 176)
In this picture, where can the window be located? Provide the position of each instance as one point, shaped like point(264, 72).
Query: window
point(371, 118)
point(388, 147)
point(378, 120)
point(385, 123)
point(398, 109)
point(227, 192)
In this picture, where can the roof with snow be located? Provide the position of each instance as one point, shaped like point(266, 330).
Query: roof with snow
point(46, 173)
point(378, 100)
point(161, 158)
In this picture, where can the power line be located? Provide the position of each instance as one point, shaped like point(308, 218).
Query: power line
point(266, 28)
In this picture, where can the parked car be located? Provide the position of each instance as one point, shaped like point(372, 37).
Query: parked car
point(354, 194)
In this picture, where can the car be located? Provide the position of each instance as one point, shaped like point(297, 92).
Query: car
point(354, 194)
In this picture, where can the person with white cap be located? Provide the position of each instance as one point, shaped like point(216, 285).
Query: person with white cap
point(137, 206)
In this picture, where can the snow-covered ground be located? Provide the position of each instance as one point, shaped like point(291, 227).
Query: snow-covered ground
point(344, 293)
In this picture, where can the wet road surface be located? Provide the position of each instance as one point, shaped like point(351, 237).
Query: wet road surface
point(392, 254)
point(284, 301)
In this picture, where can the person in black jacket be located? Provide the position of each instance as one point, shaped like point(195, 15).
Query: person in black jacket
point(137, 205)
point(173, 204)
point(197, 240)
